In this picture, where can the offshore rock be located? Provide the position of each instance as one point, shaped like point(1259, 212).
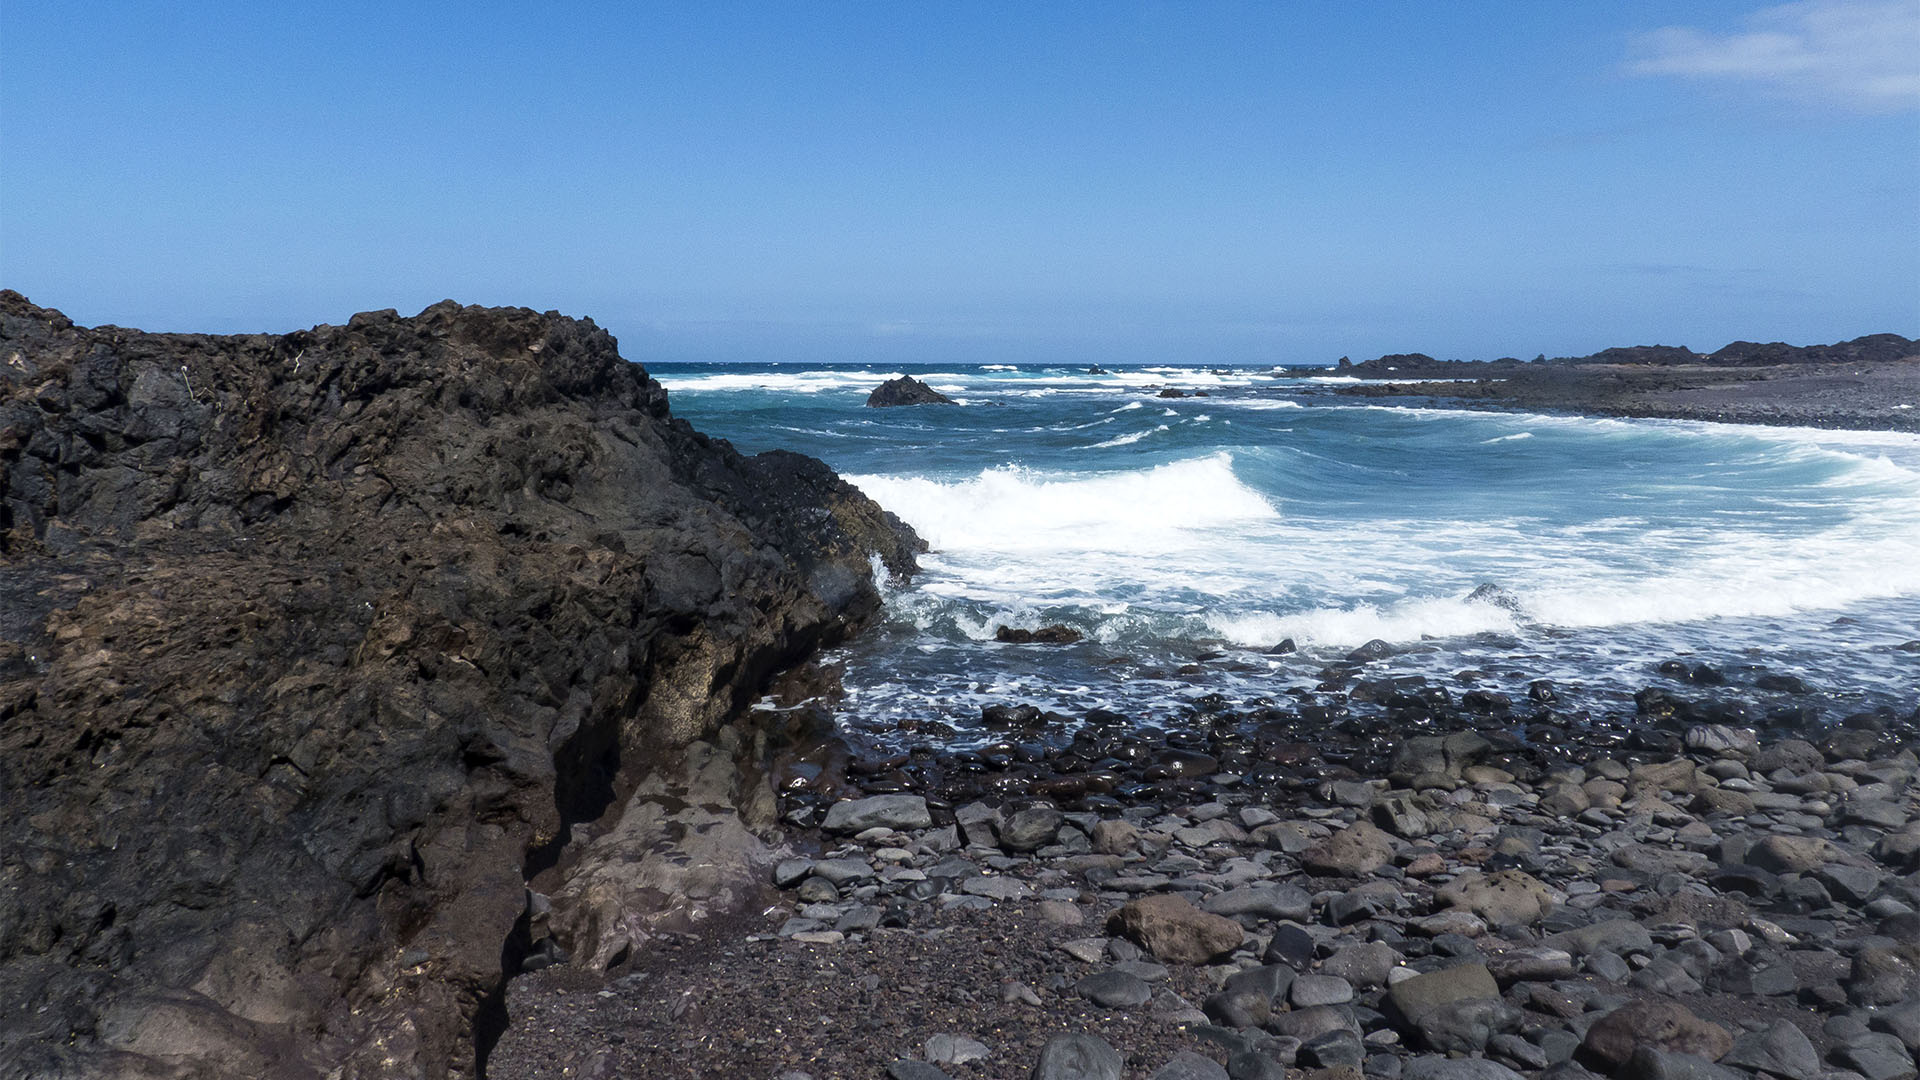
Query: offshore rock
point(317, 648)
point(905, 390)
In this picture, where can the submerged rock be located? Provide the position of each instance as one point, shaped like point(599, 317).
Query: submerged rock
point(1046, 635)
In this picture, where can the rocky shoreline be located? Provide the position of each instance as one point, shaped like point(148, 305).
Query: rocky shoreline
point(1862, 394)
point(378, 701)
point(1388, 878)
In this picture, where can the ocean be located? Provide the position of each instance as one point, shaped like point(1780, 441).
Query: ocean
point(1186, 537)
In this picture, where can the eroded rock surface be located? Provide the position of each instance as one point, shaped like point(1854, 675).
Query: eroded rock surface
point(314, 647)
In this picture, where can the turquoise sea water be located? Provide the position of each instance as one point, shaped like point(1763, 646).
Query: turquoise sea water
point(1169, 529)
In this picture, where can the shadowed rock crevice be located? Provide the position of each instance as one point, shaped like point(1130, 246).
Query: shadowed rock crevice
point(315, 647)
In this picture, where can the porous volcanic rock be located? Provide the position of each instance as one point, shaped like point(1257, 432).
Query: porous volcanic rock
point(314, 650)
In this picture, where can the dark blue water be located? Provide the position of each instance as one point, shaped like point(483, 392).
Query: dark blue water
point(1164, 529)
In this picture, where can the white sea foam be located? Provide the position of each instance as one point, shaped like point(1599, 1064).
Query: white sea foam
point(1507, 438)
point(1352, 626)
point(1152, 510)
point(1126, 440)
point(1256, 404)
point(787, 382)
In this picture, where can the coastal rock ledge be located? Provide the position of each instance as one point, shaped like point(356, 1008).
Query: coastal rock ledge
point(324, 655)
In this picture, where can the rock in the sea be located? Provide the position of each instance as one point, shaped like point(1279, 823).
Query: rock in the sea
point(1174, 930)
point(1078, 1057)
point(1371, 651)
point(1494, 596)
point(1046, 635)
point(339, 636)
point(905, 390)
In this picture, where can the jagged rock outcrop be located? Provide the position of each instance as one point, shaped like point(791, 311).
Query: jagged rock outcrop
point(1871, 349)
point(1643, 354)
point(314, 647)
point(905, 390)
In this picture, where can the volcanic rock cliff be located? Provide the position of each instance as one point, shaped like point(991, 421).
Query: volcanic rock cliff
point(315, 648)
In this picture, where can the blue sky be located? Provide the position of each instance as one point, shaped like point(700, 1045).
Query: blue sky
point(1212, 182)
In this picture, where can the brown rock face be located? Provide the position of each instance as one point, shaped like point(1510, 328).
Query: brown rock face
point(315, 647)
point(1663, 1025)
point(1174, 930)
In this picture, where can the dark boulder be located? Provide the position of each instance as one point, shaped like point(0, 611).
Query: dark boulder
point(905, 390)
point(319, 645)
point(1371, 651)
point(1494, 595)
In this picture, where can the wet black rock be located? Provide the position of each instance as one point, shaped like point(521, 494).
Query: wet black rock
point(1371, 651)
point(1494, 595)
point(1046, 635)
point(905, 390)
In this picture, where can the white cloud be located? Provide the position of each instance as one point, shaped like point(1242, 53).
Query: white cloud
point(1858, 54)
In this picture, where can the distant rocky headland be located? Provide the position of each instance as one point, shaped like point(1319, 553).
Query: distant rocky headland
point(319, 652)
point(1870, 382)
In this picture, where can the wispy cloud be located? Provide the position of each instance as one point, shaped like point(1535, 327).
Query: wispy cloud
point(1862, 55)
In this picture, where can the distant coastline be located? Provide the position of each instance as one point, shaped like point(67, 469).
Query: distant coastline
point(1870, 383)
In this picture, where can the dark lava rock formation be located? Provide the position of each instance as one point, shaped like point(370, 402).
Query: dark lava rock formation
point(316, 648)
point(905, 390)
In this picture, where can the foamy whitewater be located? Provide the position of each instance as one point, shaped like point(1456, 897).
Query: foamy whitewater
point(1168, 529)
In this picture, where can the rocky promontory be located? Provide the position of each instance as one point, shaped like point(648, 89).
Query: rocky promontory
point(345, 672)
point(1868, 383)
